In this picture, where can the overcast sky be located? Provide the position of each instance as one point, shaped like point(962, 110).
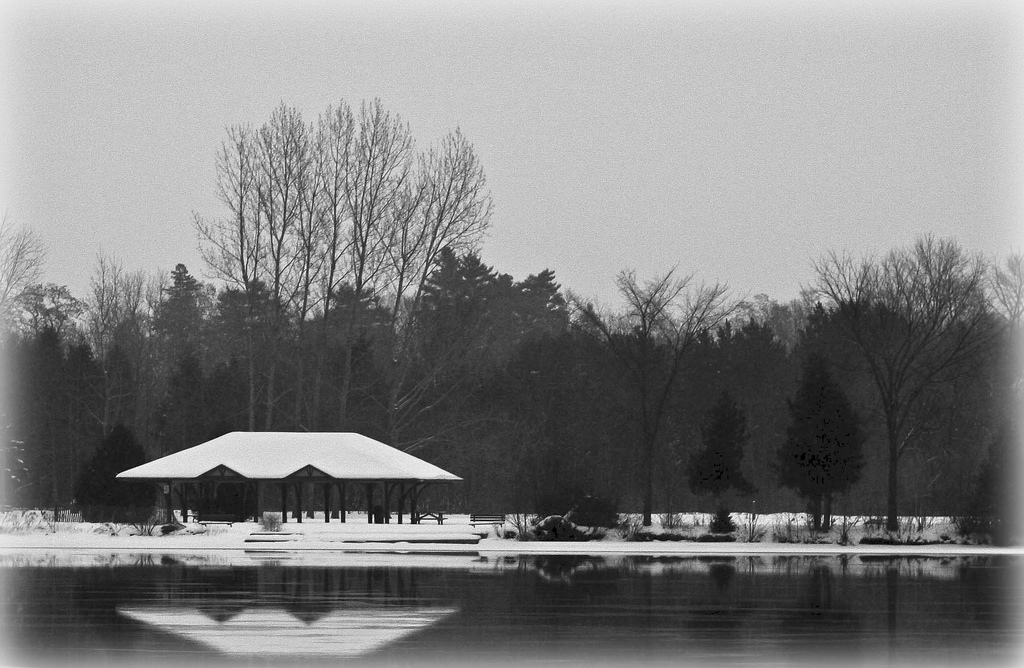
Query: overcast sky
point(738, 141)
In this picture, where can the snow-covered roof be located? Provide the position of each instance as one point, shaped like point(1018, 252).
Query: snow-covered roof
point(277, 455)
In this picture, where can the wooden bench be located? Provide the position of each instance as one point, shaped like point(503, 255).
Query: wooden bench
point(437, 517)
point(486, 519)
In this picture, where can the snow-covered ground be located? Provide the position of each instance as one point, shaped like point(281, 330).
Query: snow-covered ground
point(457, 536)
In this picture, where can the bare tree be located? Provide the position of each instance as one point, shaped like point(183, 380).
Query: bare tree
point(233, 246)
point(918, 316)
point(344, 205)
point(335, 131)
point(283, 168)
point(447, 207)
point(116, 326)
point(662, 319)
point(21, 264)
point(378, 183)
point(1006, 294)
point(1006, 287)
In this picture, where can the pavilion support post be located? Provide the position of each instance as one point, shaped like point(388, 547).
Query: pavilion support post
point(413, 514)
point(387, 502)
point(369, 503)
point(335, 514)
point(298, 502)
point(168, 502)
point(327, 502)
point(284, 501)
point(257, 513)
point(401, 500)
point(311, 511)
point(341, 503)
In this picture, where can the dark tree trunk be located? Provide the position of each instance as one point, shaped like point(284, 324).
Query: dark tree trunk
point(816, 512)
point(893, 521)
point(346, 387)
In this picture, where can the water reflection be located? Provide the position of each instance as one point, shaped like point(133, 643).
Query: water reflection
point(382, 608)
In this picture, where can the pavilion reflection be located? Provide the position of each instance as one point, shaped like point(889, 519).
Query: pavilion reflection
point(287, 612)
point(268, 632)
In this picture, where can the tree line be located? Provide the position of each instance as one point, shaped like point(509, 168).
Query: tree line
point(348, 293)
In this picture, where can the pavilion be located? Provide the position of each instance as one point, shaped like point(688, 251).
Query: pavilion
point(241, 474)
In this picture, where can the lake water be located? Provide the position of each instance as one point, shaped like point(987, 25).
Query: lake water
point(280, 609)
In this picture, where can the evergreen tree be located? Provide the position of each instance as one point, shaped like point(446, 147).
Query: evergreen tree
point(179, 316)
point(716, 468)
point(822, 455)
point(184, 412)
point(97, 484)
point(540, 305)
point(996, 500)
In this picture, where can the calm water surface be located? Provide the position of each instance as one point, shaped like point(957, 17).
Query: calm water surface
point(116, 610)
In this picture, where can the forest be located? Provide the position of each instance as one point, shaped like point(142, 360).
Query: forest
point(349, 293)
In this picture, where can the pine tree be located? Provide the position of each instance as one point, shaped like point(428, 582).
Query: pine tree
point(822, 455)
point(97, 484)
point(180, 314)
point(716, 468)
point(995, 504)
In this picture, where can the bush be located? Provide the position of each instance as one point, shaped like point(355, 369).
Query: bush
point(971, 525)
point(753, 529)
point(782, 530)
point(722, 522)
point(631, 527)
point(671, 521)
point(145, 520)
point(270, 521)
point(846, 523)
point(522, 527)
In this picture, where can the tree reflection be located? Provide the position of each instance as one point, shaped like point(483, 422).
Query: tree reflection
point(702, 607)
point(721, 575)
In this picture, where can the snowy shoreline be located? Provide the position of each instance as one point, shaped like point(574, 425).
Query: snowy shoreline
point(456, 537)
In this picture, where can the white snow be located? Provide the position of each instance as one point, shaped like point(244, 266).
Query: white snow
point(314, 536)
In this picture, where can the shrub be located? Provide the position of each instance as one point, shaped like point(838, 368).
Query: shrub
point(875, 524)
point(144, 521)
point(522, 527)
point(21, 521)
point(671, 521)
point(753, 529)
point(846, 523)
point(722, 522)
point(969, 525)
point(630, 527)
point(923, 522)
point(782, 529)
point(270, 521)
